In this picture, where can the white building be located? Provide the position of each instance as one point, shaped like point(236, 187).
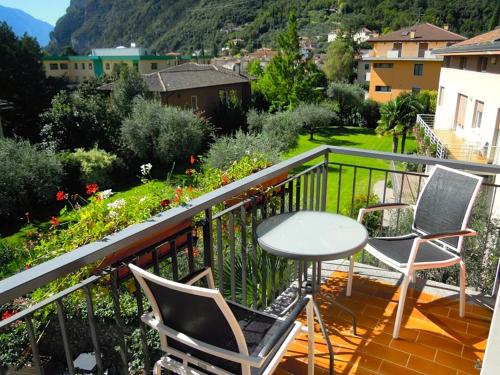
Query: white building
point(363, 34)
point(332, 35)
point(467, 116)
point(363, 67)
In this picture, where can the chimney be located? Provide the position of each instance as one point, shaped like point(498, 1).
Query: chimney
point(412, 34)
point(446, 27)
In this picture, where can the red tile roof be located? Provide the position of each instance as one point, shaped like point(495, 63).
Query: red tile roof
point(424, 32)
point(490, 36)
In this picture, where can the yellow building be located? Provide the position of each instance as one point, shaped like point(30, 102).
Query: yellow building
point(402, 61)
point(104, 61)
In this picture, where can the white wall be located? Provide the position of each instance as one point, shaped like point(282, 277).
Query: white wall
point(484, 87)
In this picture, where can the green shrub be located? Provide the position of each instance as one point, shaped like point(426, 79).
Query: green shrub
point(162, 133)
point(255, 120)
point(228, 149)
point(283, 128)
point(428, 100)
point(314, 116)
point(229, 114)
point(370, 113)
point(28, 177)
point(95, 165)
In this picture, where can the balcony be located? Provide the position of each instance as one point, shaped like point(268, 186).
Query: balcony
point(451, 146)
point(222, 235)
point(394, 53)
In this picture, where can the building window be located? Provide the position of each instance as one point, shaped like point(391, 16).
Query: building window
point(367, 66)
point(418, 70)
point(441, 95)
point(76, 66)
point(53, 67)
point(83, 65)
point(64, 66)
point(397, 46)
point(415, 90)
point(482, 63)
point(90, 66)
point(108, 66)
point(383, 65)
point(463, 62)
point(493, 60)
point(383, 88)
point(194, 102)
point(154, 66)
point(478, 114)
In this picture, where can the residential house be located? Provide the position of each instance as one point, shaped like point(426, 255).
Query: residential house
point(402, 61)
point(332, 35)
point(196, 86)
point(467, 119)
point(363, 34)
point(227, 62)
point(264, 55)
point(103, 61)
point(363, 67)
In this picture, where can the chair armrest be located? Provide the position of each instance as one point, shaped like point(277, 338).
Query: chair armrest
point(380, 207)
point(288, 322)
point(448, 234)
point(198, 275)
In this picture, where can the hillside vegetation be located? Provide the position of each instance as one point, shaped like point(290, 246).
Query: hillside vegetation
point(188, 25)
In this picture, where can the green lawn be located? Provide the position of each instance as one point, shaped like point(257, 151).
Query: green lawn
point(349, 137)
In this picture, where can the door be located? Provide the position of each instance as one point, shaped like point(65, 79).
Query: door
point(460, 112)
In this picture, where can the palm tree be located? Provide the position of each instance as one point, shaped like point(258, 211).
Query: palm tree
point(397, 118)
point(390, 121)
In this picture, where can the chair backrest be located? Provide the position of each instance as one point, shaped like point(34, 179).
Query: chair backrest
point(199, 313)
point(446, 202)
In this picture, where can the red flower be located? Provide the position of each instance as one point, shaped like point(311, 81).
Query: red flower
point(7, 314)
point(224, 179)
point(178, 190)
point(27, 266)
point(177, 198)
point(54, 221)
point(190, 188)
point(60, 196)
point(192, 159)
point(165, 203)
point(92, 188)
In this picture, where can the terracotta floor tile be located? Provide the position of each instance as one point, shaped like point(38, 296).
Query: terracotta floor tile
point(388, 368)
point(422, 351)
point(433, 338)
point(453, 361)
point(428, 367)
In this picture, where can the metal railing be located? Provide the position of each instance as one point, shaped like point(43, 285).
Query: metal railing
point(426, 122)
point(223, 237)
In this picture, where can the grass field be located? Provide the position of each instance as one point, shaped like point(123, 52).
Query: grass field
point(349, 137)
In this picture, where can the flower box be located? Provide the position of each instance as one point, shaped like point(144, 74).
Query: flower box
point(256, 190)
point(181, 229)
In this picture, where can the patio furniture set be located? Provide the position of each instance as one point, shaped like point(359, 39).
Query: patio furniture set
point(201, 332)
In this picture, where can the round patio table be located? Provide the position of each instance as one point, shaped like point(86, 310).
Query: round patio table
point(313, 236)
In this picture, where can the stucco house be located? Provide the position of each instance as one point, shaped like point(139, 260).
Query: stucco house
point(196, 86)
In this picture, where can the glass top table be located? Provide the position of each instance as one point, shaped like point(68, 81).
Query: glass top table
point(313, 236)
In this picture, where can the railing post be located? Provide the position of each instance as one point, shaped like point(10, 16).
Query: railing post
point(208, 239)
point(325, 181)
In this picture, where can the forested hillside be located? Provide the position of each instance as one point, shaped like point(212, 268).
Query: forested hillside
point(187, 25)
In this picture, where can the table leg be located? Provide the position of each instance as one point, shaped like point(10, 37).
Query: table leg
point(346, 309)
point(310, 337)
point(324, 331)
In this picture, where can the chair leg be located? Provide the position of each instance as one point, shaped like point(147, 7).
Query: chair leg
point(413, 278)
point(462, 289)
point(157, 368)
point(401, 305)
point(349, 277)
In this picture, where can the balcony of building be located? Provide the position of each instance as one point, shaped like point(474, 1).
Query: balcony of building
point(449, 144)
point(220, 233)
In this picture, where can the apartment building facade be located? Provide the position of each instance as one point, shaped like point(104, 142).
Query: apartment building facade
point(402, 61)
point(468, 109)
point(104, 61)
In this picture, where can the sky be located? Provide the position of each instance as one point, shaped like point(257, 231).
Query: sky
point(46, 10)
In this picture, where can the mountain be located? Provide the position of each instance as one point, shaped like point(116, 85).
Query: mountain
point(22, 22)
point(187, 25)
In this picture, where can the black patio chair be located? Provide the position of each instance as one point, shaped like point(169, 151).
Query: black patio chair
point(439, 226)
point(201, 332)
